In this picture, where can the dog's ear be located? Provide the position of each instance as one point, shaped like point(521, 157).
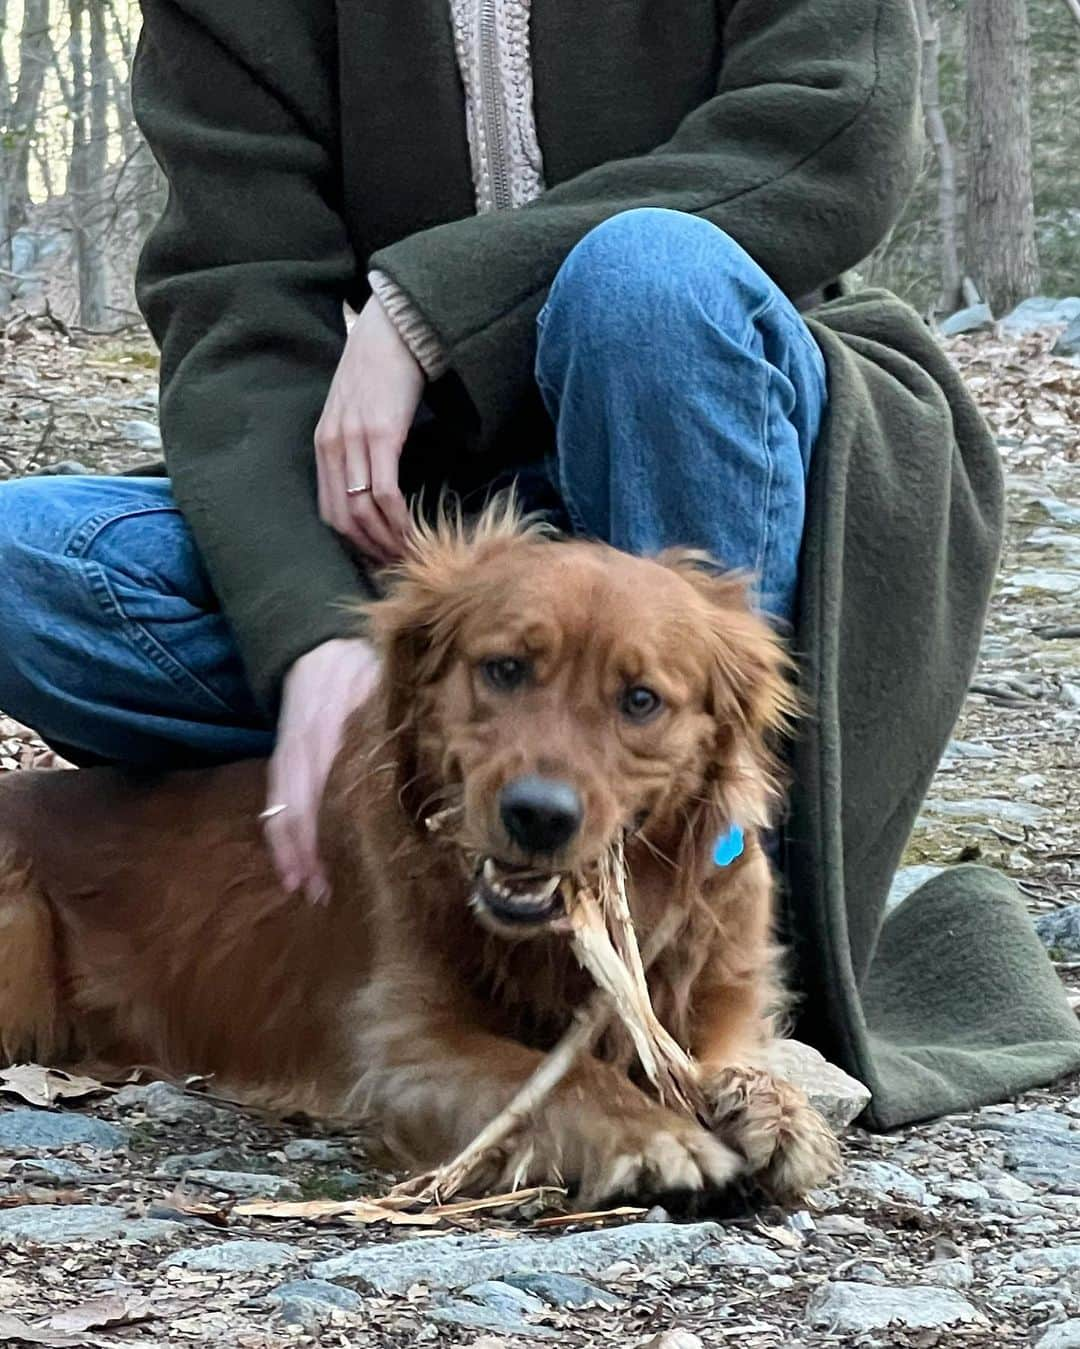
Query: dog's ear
point(752, 702)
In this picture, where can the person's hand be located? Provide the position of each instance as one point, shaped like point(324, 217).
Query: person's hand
point(321, 690)
point(358, 441)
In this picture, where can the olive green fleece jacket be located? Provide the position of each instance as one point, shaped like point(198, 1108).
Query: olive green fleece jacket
point(307, 141)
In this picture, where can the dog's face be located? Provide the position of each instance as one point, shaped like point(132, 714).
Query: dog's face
point(557, 695)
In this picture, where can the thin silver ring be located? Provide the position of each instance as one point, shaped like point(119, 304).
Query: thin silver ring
point(272, 812)
point(357, 491)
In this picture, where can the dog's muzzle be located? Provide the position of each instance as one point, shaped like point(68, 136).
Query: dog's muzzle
point(515, 898)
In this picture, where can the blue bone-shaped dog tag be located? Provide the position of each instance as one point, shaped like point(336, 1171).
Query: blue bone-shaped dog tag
point(729, 846)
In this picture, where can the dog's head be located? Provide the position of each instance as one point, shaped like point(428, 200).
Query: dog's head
point(558, 695)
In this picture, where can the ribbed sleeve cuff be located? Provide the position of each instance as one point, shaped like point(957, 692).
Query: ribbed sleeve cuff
point(416, 332)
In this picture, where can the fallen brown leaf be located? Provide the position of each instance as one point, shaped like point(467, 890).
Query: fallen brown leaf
point(361, 1211)
point(44, 1087)
point(40, 1194)
point(114, 1309)
point(12, 1330)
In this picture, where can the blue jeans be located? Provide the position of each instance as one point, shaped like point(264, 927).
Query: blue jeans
point(686, 393)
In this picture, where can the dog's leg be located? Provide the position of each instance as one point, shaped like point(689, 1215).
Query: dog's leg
point(429, 1086)
point(33, 1021)
point(789, 1148)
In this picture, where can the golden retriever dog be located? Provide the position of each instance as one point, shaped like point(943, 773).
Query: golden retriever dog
point(546, 698)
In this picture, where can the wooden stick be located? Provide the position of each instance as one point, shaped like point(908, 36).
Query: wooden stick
point(589, 1024)
point(665, 1062)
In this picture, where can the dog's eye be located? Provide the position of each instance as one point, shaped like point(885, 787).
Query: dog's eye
point(505, 673)
point(640, 703)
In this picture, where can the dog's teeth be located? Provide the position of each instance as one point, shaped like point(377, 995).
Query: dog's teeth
point(551, 886)
point(490, 873)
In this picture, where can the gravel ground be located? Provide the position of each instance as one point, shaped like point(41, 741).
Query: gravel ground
point(121, 1210)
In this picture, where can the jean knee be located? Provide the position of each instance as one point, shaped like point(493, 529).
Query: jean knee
point(649, 276)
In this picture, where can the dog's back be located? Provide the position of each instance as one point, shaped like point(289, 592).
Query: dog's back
point(141, 921)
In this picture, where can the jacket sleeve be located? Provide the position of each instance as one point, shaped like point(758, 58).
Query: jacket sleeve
point(804, 156)
point(242, 284)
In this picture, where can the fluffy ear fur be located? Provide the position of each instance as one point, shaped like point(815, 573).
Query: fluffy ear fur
point(752, 703)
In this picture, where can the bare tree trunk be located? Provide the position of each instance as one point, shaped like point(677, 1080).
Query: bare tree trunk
point(18, 111)
point(89, 158)
point(938, 134)
point(1001, 249)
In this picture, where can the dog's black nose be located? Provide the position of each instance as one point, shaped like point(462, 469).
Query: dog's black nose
point(540, 814)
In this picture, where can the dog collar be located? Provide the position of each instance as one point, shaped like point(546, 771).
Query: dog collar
point(729, 846)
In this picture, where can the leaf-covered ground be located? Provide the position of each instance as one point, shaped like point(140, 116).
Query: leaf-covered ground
point(981, 1213)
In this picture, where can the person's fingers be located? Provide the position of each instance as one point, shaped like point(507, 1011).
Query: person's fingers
point(339, 515)
point(366, 516)
point(292, 833)
point(363, 507)
point(278, 830)
point(385, 459)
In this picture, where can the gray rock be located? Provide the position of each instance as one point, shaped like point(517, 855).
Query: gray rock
point(453, 1262)
point(63, 1224)
point(174, 1166)
point(494, 1305)
point(966, 1191)
point(1061, 512)
point(57, 1171)
point(234, 1257)
point(865, 1272)
point(955, 1273)
point(1048, 581)
point(1068, 344)
point(1059, 1259)
point(318, 1290)
point(144, 434)
point(1060, 930)
point(24, 1132)
point(249, 1184)
point(305, 1302)
point(975, 319)
point(970, 749)
point(66, 468)
point(318, 1150)
point(1007, 1188)
point(1040, 1147)
point(1065, 1335)
point(886, 1178)
point(162, 1101)
point(1027, 1296)
point(560, 1290)
point(855, 1308)
point(837, 1096)
point(906, 881)
point(745, 1255)
point(1013, 812)
point(1041, 311)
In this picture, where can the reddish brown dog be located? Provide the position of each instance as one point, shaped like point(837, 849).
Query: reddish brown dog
point(551, 696)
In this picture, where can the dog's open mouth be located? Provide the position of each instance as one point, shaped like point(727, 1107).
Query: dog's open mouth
point(516, 896)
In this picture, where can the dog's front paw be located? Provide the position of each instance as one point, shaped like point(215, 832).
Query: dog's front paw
point(653, 1154)
point(788, 1147)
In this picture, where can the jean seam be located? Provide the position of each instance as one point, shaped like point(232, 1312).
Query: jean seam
point(568, 502)
point(83, 538)
point(97, 582)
